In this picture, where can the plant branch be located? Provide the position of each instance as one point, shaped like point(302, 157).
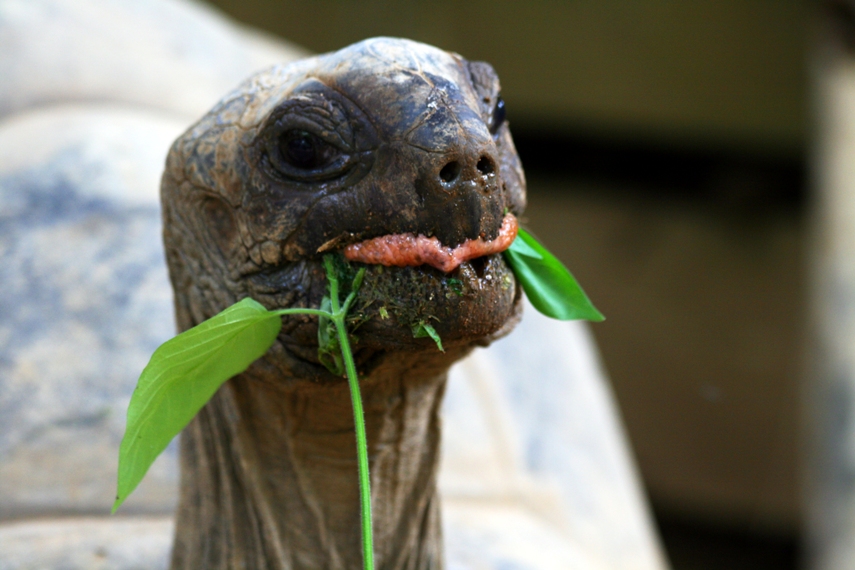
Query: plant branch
point(338, 318)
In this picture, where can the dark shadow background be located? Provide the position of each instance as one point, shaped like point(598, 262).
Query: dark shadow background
point(664, 142)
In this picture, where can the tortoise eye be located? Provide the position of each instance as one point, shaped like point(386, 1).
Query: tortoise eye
point(498, 117)
point(305, 151)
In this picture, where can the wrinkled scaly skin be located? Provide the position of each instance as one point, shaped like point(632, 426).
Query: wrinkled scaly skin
point(269, 476)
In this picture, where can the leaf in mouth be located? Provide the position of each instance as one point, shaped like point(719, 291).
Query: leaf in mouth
point(550, 287)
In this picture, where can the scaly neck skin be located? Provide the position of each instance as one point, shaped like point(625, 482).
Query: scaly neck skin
point(269, 475)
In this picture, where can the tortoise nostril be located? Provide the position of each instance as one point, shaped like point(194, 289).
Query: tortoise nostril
point(450, 172)
point(485, 166)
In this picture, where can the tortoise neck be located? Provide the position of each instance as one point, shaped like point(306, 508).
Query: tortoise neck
point(269, 476)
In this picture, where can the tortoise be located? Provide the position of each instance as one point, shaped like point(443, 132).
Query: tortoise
point(387, 137)
point(535, 470)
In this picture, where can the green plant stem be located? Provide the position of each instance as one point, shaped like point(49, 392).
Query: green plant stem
point(317, 312)
point(338, 318)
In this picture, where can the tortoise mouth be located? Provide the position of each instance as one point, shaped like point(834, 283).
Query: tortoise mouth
point(468, 294)
point(406, 250)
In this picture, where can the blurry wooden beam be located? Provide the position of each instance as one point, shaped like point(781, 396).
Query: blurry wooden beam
point(830, 386)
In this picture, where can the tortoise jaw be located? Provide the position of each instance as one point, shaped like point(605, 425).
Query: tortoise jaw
point(464, 292)
point(465, 305)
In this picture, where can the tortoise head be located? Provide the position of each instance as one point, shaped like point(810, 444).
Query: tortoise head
point(383, 137)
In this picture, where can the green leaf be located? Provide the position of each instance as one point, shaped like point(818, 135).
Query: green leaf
point(182, 375)
point(522, 248)
point(329, 351)
point(421, 329)
point(549, 286)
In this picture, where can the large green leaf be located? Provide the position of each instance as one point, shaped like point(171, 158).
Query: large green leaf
point(182, 375)
point(549, 286)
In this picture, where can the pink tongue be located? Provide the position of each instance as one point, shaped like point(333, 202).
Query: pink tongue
point(401, 250)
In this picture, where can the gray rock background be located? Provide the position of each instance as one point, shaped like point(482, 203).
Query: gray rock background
point(135, 543)
point(536, 472)
point(174, 56)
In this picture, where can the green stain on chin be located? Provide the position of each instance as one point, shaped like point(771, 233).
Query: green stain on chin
point(404, 296)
